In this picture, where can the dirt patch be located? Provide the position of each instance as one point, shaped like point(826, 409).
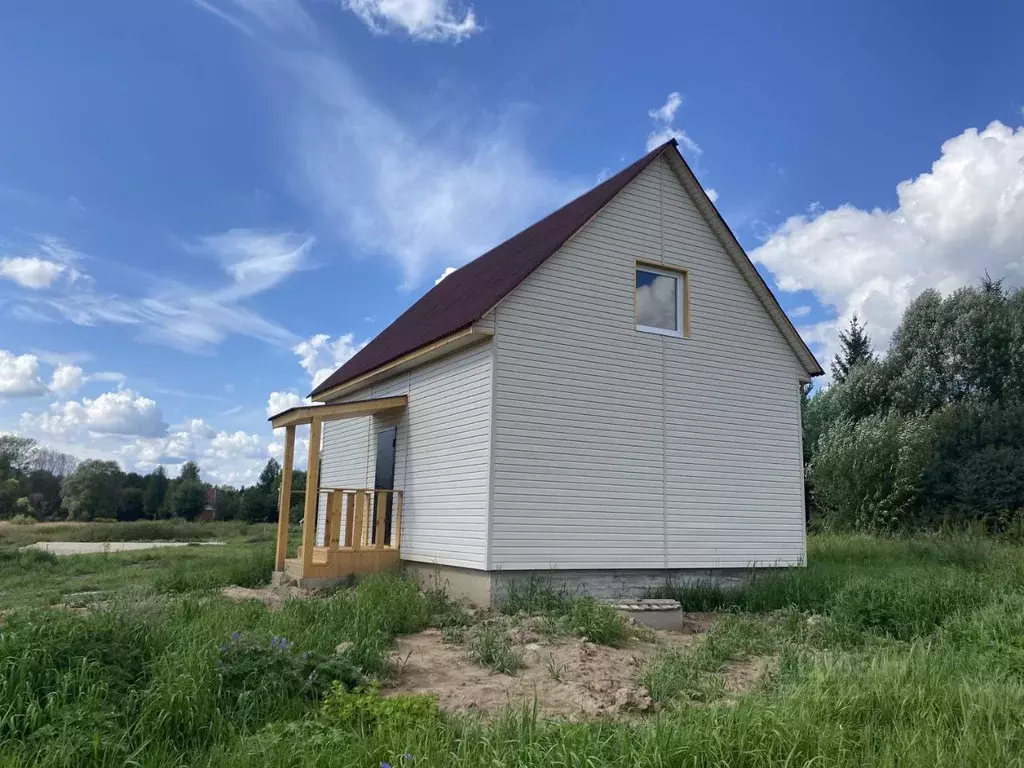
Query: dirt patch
point(66, 548)
point(567, 678)
point(272, 597)
point(741, 676)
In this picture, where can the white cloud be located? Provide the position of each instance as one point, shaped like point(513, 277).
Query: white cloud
point(30, 271)
point(801, 311)
point(712, 194)
point(447, 271)
point(199, 428)
point(255, 260)
point(190, 318)
point(663, 118)
point(951, 224)
point(666, 113)
point(282, 401)
point(321, 357)
point(19, 375)
point(66, 379)
point(234, 445)
point(422, 19)
point(113, 413)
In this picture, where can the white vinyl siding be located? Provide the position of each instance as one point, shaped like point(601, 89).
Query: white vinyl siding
point(615, 448)
point(442, 455)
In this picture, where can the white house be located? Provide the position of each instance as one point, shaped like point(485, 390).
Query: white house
point(610, 398)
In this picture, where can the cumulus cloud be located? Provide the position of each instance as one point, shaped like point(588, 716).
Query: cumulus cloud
point(66, 379)
point(19, 375)
point(235, 445)
point(199, 428)
point(113, 413)
point(952, 223)
point(435, 20)
point(447, 271)
point(321, 357)
point(282, 401)
point(663, 118)
point(801, 311)
point(30, 271)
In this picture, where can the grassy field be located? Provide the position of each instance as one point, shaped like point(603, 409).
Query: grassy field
point(887, 652)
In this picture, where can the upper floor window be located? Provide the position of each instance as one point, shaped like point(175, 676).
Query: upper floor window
point(661, 301)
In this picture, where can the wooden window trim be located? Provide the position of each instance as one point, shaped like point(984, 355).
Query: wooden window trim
point(684, 279)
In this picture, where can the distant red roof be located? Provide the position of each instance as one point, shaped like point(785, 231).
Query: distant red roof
point(468, 293)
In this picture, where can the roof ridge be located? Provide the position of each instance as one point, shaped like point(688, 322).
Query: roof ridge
point(460, 300)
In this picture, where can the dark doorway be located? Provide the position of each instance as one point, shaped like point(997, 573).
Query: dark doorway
point(384, 477)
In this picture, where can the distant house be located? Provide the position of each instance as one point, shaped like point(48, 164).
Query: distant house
point(610, 398)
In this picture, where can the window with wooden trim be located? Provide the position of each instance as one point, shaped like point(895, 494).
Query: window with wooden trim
point(661, 297)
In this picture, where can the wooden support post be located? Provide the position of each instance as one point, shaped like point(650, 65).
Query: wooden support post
point(350, 511)
point(334, 519)
point(396, 523)
point(357, 522)
point(382, 513)
point(312, 494)
point(285, 500)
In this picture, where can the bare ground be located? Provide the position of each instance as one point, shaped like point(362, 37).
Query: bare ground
point(272, 597)
point(568, 677)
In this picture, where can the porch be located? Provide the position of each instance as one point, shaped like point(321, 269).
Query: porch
point(361, 527)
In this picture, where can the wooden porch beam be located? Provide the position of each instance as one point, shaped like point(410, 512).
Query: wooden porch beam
point(312, 493)
point(285, 500)
point(305, 414)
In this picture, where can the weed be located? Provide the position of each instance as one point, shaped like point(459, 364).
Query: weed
point(453, 635)
point(555, 668)
point(490, 647)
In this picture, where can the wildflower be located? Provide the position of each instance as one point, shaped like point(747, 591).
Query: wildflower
point(236, 636)
point(385, 765)
point(408, 757)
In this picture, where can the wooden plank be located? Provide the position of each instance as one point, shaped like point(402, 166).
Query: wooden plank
point(334, 499)
point(396, 523)
point(350, 508)
point(357, 524)
point(305, 414)
point(382, 511)
point(312, 493)
point(285, 499)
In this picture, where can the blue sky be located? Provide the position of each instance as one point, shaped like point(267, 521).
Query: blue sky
point(203, 202)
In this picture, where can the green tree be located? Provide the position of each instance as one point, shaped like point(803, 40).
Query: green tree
point(228, 503)
point(186, 499)
point(189, 471)
point(257, 505)
point(270, 476)
point(15, 454)
point(43, 489)
point(92, 490)
point(131, 505)
point(856, 349)
point(154, 493)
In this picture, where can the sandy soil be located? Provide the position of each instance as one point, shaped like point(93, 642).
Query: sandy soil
point(271, 596)
point(64, 548)
point(567, 678)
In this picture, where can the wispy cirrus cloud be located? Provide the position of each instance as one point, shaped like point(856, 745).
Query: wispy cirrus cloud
point(434, 20)
point(424, 191)
point(40, 264)
point(189, 318)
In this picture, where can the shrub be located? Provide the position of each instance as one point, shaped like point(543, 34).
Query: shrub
point(248, 665)
point(363, 707)
point(867, 475)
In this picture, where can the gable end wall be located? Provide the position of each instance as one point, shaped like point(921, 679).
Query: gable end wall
point(619, 449)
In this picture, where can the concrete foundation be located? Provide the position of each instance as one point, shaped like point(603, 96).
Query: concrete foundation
point(486, 588)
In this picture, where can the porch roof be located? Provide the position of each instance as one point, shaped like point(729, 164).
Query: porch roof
point(305, 414)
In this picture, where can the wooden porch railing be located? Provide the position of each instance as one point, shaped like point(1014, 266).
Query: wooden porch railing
point(359, 519)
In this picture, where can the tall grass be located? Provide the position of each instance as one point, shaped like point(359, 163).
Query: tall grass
point(914, 658)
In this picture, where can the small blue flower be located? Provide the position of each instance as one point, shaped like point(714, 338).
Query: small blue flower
point(385, 765)
point(236, 636)
point(407, 756)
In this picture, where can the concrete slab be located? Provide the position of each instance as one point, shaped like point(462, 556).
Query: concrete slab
point(64, 548)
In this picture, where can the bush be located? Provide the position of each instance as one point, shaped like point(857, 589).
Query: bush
point(249, 666)
point(867, 475)
point(364, 708)
point(598, 622)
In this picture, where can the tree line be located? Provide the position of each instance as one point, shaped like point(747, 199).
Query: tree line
point(931, 432)
point(42, 484)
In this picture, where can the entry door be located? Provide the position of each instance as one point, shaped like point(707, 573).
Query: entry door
point(384, 477)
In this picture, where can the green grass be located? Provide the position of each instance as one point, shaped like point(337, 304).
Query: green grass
point(890, 652)
point(490, 647)
point(565, 613)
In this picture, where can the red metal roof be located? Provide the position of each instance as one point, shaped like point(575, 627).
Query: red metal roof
point(467, 294)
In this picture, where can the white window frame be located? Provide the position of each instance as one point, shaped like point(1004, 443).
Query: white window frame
point(682, 329)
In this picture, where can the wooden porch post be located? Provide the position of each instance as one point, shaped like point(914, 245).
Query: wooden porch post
point(285, 501)
point(312, 493)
